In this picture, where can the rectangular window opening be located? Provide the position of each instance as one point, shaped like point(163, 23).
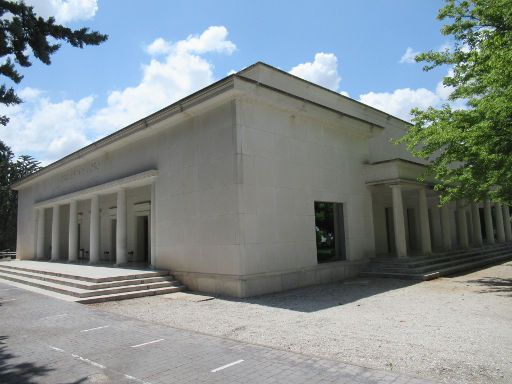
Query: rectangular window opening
point(330, 232)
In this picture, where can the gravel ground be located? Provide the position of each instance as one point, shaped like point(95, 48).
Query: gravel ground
point(455, 330)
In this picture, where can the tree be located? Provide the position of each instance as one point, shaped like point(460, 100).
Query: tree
point(10, 172)
point(470, 148)
point(21, 32)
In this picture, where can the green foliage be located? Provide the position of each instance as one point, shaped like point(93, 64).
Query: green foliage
point(470, 148)
point(11, 171)
point(22, 33)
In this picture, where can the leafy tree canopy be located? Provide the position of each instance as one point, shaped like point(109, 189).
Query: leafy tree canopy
point(23, 33)
point(470, 148)
point(11, 170)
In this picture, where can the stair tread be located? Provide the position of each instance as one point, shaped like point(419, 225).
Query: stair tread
point(79, 291)
point(130, 295)
point(81, 283)
point(126, 275)
point(428, 267)
point(432, 266)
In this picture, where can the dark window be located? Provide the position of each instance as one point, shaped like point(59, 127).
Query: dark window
point(330, 232)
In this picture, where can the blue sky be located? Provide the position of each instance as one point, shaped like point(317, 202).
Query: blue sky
point(160, 51)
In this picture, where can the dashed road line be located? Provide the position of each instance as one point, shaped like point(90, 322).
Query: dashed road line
point(94, 329)
point(5, 301)
point(93, 363)
point(54, 316)
point(149, 342)
point(227, 366)
point(98, 365)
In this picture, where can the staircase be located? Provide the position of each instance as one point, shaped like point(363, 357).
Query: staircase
point(439, 264)
point(69, 282)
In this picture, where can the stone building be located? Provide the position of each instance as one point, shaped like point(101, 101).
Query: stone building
point(257, 183)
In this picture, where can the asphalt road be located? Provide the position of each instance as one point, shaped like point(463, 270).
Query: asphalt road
point(47, 340)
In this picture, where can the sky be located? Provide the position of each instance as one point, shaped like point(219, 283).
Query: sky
point(160, 51)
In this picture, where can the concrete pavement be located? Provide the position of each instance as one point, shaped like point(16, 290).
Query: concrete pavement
point(46, 340)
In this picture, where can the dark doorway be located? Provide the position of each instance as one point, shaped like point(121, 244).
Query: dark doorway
point(143, 239)
point(411, 225)
point(390, 230)
point(113, 240)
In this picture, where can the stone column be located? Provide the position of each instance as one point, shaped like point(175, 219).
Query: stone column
point(462, 225)
point(94, 252)
point(121, 252)
point(398, 221)
point(446, 227)
point(500, 228)
point(426, 245)
point(73, 234)
point(152, 225)
point(40, 234)
point(506, 219)
point(477, 228)
point(489, 231)
point(55, 233)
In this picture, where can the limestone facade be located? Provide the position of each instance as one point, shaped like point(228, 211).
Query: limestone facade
point(220, 188)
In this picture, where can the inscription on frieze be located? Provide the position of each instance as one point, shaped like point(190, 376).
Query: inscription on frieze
point(84, 170)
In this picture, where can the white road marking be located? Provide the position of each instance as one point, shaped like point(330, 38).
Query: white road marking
point(137, 380)
point(54, 316)
point(93, 363)
point(93, 329)
point(98, 365)
point(226, 366)
point(149, 342)
point(5, 301)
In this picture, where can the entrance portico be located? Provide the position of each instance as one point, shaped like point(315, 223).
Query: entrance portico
point(408, 219)
point(104, 214)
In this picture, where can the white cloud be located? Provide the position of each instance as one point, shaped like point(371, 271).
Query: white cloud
point(400, 102)
point(65, 11)
point(49, 130)
point(180, 73)
point(45, 129)
point(322, 71)
point(159, 47)
point(409, 56)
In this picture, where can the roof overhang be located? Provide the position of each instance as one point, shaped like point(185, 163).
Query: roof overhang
point(397, 171)
point(133, 181)
point(185, 108)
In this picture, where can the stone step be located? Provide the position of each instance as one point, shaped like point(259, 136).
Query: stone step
point(418, 261)
point(130, 295)
point(436, 264)
point(441, 272)
point(81, 283)
point(83, 293)
point(137, 274)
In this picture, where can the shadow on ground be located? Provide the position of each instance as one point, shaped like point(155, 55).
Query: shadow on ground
point(320, 297)
point(12, 370)
point(494, 285)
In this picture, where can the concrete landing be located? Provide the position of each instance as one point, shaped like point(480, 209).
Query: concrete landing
point(86, 283)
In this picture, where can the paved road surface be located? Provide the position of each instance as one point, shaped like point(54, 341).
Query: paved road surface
point(46, 340)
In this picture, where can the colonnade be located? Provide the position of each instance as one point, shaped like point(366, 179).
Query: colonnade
point(95, 230)
point(502, 221)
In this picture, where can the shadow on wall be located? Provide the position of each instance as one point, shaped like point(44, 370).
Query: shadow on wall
point(14, 370)
point(320, 297)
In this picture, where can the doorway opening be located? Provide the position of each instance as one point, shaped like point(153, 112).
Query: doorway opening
point(143, 242)
point(113, 240)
